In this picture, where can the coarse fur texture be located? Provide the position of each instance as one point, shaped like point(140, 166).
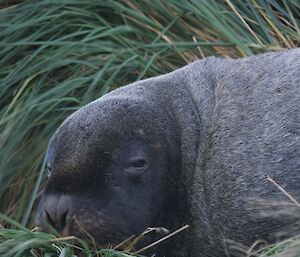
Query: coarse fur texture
point(194, 146)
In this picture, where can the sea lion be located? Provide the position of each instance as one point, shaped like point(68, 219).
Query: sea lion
point(195, 146)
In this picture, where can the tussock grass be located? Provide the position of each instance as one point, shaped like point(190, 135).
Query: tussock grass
point(286, 248)
point(23, 242)
point(56, 56)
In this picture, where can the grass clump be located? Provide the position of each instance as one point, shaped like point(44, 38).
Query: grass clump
point(286, 248)
point(23, 242)
point(56, 56)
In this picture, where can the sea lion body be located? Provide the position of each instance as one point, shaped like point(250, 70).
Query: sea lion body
point(201, 142)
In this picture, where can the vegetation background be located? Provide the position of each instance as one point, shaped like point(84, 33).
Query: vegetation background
point(58, 55)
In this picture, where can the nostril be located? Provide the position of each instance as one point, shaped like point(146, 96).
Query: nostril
point(58, 220)
point(63, 220)
point(50, 220)
point(56, 211)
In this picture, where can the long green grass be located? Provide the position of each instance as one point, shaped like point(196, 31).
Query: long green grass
point(56, 56)
point(23, 242)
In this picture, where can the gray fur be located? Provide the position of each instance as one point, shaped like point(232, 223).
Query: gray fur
point(236, 122)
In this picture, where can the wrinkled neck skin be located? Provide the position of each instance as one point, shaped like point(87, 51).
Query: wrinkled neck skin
point(173, 93)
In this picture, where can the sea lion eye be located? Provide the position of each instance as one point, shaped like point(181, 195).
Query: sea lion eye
point(135, 168)
point(138, 163)
point(49, 171)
